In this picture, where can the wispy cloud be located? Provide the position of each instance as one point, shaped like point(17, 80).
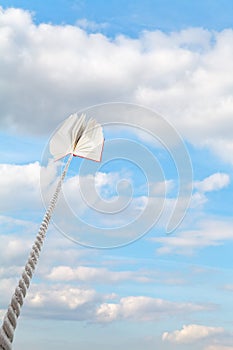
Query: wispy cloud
point(209, 233)
point(228, 287)
point(91, 25)
point(97, 275)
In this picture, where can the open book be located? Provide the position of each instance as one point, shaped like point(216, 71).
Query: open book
point(81, 138)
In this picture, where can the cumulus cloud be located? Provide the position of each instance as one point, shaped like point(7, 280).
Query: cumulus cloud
point(62, 302)
point(67, 296)
point(142, 308)
point(50, 71)
point(97, 191)
point(209, 233)
point(19, 186)
point(16, 240)
point(191, 333)
point(16, 243)
point(66, 301)
point(213, 182)
point(25, 180)
point(89, 199)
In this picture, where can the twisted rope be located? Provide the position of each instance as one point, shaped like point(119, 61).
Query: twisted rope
point(13, 312)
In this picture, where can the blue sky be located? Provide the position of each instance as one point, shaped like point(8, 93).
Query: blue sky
point(130, 17)
point(160, 76)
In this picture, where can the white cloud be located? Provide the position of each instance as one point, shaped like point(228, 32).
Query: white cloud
point(91, 25)
point(209, 233)
point(7, 287)
point(66, 299)
point(19, 186)
point(8, 272)
point(25, 180)
point(222, 147)
point(141, 308)
point(213, 182)
point(16, 240)
point(63, 302)
point(50, 71)
point(66, 296)
point(97, 275)
point(198, 200)
point(93, 190)
point(16, 243)
point(191, 333)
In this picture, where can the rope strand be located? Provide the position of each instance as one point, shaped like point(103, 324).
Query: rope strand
point(13, 312)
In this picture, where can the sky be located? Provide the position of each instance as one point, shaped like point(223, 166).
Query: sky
point(139, 252)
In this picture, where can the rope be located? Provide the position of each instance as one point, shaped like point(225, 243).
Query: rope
point(13, 312)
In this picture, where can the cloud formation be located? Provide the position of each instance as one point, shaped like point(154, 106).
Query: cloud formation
point(191, 333)
point(50, 71)
point(209, 233)
point(97, 275)
point(213, 182)
point(19, 186)
point(142, 308)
